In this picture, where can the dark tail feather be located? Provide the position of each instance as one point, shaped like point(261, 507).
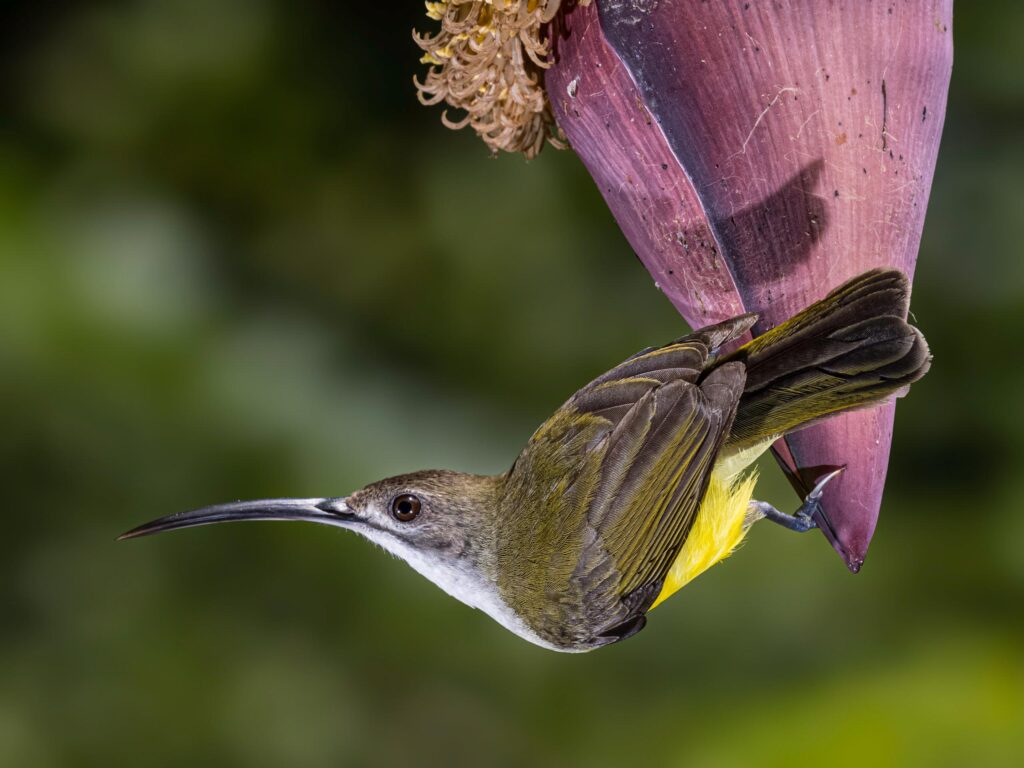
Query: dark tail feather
point(853, 349)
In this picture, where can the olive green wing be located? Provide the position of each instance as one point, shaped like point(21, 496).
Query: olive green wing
point(654, 473)
point(619, 473)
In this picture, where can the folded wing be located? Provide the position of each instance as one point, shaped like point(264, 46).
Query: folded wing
point(614, 481)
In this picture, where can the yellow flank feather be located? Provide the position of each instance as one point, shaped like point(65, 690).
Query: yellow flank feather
point(720, 526)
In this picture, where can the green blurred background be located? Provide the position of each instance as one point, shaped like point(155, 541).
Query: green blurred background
point(237, 259)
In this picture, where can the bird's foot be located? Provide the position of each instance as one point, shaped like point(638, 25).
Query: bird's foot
point(804, 519)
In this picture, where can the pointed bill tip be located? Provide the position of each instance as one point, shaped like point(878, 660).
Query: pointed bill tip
point(133, 533)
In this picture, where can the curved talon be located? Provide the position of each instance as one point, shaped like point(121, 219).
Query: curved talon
point(805, 518)
point(812, 504)
point(819, 487)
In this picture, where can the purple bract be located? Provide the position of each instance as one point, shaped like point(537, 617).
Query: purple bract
point(756, 155)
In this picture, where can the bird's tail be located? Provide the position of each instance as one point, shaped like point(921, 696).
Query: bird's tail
point(853, 349)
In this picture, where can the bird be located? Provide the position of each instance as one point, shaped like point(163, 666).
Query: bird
point(640, 481)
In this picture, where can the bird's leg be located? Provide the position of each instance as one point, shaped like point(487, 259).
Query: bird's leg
point(804, 518)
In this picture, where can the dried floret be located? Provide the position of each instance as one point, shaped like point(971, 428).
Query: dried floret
point(487, 62)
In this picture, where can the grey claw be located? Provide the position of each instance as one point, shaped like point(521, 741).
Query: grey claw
point(819, 488)
point(805, 518)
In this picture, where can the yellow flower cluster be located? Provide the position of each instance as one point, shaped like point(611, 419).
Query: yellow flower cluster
point(487, 61)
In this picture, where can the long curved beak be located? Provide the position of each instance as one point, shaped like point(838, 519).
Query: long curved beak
point(324, 511)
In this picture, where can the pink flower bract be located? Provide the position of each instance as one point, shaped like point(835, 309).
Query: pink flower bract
point(756, 155)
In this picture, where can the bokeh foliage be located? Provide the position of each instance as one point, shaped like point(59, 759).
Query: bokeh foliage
point(237, 260)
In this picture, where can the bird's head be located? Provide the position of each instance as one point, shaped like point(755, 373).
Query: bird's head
point(438, 521)
point(440, 514)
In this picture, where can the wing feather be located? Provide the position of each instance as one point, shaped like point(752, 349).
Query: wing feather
point(620, 471)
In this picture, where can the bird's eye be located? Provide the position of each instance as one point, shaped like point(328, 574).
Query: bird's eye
point(405, 507)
